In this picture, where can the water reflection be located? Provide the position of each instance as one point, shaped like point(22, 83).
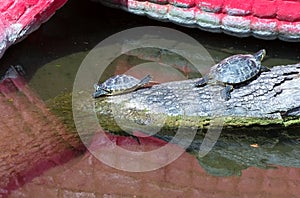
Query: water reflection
point(237, 151)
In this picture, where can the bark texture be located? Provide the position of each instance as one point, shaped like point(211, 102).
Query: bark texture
point(273, 96)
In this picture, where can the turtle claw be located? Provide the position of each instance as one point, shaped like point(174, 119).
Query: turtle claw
point(202, 81)
point(225, 93)
point(264, 69)
point(145, 80)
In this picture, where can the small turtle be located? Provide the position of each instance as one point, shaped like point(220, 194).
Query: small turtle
point(119, 84)
point(234, 70)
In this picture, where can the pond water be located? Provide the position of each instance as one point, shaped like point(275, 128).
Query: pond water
point(52, 55)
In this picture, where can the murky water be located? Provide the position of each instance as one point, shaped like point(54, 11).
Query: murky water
point(52, 54)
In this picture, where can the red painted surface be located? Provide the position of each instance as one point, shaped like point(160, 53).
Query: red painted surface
point(286, 10)
point(209, 14)
point(231, 7)
point(259, 8)
point(19, 18)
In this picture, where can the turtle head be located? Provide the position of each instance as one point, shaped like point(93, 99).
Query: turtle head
point(99, 92)
point(96, 86)
point(259, 56)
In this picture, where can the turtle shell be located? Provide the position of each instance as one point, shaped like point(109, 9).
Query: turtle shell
point(119, 84)
point(236, 69)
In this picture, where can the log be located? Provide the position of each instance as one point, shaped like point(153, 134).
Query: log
point(172, 111)
point(272, 99)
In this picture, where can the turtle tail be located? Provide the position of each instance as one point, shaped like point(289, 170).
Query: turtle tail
point(145, 80)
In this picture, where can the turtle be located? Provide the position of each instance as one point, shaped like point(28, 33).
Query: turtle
point(119, 84)
point(234, 70)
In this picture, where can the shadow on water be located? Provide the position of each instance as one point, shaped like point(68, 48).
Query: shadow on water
point(52, 55)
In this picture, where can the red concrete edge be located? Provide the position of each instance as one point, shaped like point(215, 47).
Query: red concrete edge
point(20, 18)
point(208, 15)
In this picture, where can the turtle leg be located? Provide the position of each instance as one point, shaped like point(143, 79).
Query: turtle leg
point(225, 93)
point(264, 68)
point(98, 87)
point(203, 81)
point(145, 80)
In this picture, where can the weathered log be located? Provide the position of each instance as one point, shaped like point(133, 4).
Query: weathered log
point(272, 98)
point(179, 105)
point(149, 110)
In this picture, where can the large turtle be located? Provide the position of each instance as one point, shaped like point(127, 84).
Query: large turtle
point(234, 70)
point(119, 84)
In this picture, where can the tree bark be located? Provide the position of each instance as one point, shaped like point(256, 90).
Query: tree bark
point(175, 110)
point(273, 97)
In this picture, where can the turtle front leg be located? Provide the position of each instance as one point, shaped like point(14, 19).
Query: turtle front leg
point(225, 93)
point(264, 69)
point(203, 81)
